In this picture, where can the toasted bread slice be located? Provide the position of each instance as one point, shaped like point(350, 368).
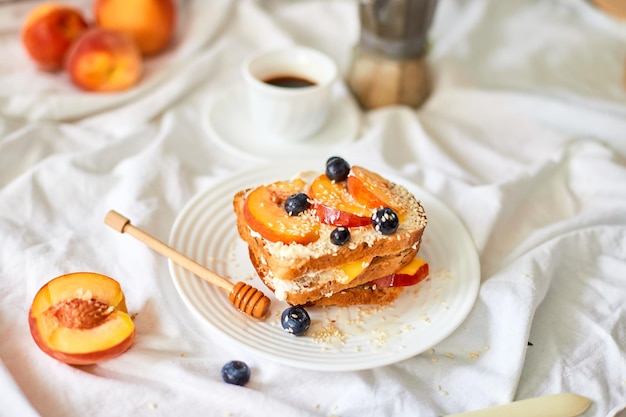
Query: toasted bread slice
point(314, 273)
point(362, 295)
point(325, 287)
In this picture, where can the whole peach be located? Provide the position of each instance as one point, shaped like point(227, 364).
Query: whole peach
point(151, 23)
point(103, 60)
point(48, 32)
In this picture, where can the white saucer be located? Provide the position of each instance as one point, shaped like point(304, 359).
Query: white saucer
point(227, 120)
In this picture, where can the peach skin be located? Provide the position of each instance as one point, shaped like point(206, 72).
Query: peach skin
point(152, 23)
point(48, 33)
point(103, 60)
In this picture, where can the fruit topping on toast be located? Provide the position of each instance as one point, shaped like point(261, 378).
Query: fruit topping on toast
point(370, 189)
point(340, 236)
point(337, 168)
point(333, 204)
point(344, 196)
point(347, 236)
point(385, 220)
point(265, 213)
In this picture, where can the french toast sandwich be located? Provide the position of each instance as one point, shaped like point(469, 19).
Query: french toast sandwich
point(342, 237)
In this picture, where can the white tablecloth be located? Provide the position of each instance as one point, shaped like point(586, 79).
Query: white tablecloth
point(524, 138)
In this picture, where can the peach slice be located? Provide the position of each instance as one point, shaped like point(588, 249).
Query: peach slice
point(334, 205)
point(264, 212)
point(81, 319)
point(48, 33)
point(415, 271)
point(370, 189)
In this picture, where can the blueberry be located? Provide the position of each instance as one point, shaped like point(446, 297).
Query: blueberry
point(385, 220)
point(337, 169)
point(297, 203)
point(236, 373)
point(340, 235)
point(296, 320)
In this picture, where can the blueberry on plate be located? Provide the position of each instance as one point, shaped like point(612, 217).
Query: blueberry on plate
point(340, 236)
point(337, 169)
point(297, 203)
point(295, 320)
point(385, 220)
point(236, 373)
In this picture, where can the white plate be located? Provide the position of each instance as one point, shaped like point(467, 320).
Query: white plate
point(420, 318)
point(227, 120)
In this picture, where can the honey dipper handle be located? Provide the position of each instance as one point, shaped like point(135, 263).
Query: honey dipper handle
point(123, 225)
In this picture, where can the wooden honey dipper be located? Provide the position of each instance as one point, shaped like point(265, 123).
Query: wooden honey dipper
point(243, 296)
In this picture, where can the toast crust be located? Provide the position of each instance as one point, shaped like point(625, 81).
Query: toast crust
point(360, 296)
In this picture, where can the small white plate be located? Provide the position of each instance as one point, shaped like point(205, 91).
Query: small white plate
point(228, 121)
point(421, 317)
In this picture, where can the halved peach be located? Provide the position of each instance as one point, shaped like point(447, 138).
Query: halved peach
point(264, 212)
point(334, 205)
point(370, 189)
point(81, 319)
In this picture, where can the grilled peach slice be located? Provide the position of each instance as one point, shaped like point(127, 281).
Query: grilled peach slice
point(415, 271)
point(264, 211)
point(334, 205)
point(81, 319)
point(370, 189)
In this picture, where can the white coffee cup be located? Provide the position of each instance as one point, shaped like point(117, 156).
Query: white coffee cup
point(289, 113)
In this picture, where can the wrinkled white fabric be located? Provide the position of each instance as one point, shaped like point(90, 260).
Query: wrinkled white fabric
point(523, 137)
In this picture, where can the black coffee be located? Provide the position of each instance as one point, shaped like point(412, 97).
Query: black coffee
point(289, 81)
